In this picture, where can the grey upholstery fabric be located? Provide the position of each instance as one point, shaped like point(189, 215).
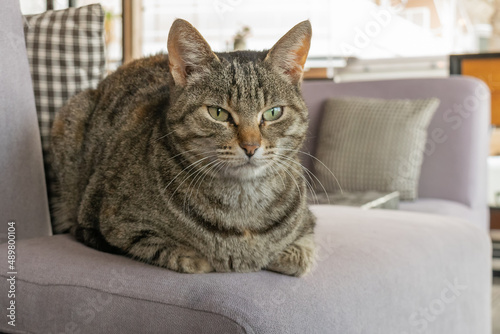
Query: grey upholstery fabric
point(378, 271)
point(373, 144)
point(438, 206)
point(454, 166)
point(22, 183)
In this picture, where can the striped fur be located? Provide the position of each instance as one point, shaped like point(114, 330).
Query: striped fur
point(145, 171)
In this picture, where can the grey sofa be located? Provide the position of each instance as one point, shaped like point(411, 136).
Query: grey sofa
point(378, 271)
point(453, 175)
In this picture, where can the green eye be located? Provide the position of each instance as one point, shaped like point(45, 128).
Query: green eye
point(218, 114)
point(272, 114)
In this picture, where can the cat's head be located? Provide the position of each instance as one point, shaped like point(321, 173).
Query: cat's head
point(242, 112)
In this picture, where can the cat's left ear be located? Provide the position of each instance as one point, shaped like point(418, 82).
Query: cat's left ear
point(188, 51)
point(289, 54)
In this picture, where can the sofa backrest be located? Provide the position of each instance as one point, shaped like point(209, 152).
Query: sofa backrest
point(23, 197)
point(454, 166)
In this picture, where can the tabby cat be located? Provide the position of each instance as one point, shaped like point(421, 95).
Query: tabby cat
point(188, 161)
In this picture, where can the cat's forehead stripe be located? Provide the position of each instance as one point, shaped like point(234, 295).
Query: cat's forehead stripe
point(247, 88)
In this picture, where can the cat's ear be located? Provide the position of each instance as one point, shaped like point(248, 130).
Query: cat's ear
point(289, 54)
point(187, 51)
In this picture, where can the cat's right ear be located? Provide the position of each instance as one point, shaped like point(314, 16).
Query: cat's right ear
point(187, 51)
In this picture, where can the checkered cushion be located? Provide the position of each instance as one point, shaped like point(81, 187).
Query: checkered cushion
point(374, 144)
point(66, 55)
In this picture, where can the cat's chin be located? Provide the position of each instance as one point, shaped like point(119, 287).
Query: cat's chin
point(245, 172)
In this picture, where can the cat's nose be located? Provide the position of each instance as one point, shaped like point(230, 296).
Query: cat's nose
point(249, 148)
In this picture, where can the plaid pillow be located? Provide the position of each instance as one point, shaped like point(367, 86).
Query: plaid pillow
point(66, 55)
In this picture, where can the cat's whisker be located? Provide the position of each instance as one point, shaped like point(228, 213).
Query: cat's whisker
point(197, 174)
point(284, 166)
point(309, 181)
point(207, 172)
point(159, 138)
point(191, 166)
point(222, 165)
point(311, 176)
point(312, 156)
point(308, 184)
point(183, 153)
point(194, 175)
point(200, 153)
point(275, 171)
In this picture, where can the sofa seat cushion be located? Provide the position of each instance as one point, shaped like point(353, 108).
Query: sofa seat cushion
point(438, 206)
point(376, 269)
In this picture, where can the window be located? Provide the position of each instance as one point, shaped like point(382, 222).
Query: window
point(112, 24)
point(363, 35)
point(361, 28)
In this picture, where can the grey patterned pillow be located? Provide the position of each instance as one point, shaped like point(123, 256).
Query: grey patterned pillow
point(374, 144)
point(66, 55)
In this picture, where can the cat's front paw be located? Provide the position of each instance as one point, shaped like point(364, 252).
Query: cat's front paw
point(297, 259)
point(190, 262)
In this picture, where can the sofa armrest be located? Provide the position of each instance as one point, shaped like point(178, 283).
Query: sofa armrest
point(23, 196)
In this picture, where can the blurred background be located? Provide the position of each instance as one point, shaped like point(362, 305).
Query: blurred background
point(352, 40)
